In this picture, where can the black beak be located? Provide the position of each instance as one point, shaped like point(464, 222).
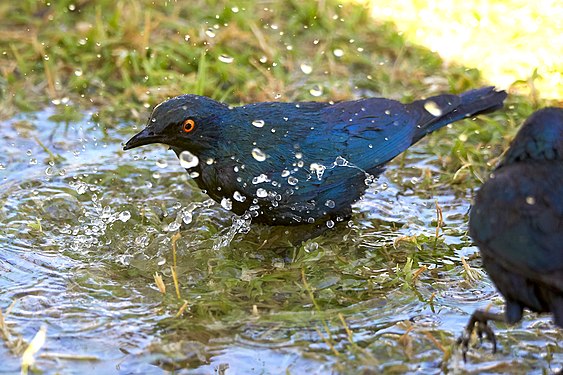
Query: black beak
point(144, 137)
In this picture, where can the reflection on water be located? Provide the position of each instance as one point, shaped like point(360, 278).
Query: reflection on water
point(84, 227)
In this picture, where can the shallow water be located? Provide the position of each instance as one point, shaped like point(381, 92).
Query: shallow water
point(81, 239)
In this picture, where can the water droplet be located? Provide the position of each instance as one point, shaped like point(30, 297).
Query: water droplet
point(311, 246)
point(173, 226)
point(239, 197)
point(263, 59)
point(161, 261)
point(258, 123)
point(187, 216)
point(316, 90)
point(387, 112)
point(187, 38)
point(194, 174)
point(226, 59)
point(71, 7)
point(285, 173)
point(234, 9)
point(530, 200)
point(78, 72)
point(340, 161)
point(330, 203)
point(330, 223)
point(319, 169)
point(260, 179)
point(188, 160)
point(209, 161)
point(432, 108)
point(292, 180)
point(258, 154)
point(161, 163)
point(124, 216)
point(81, 188)
point(32, 161)
point(227, 204)
point(49, 171)
point(261, 193)
point(298, 155)
point(338, 52)
point(306, 68)
point(210, 33)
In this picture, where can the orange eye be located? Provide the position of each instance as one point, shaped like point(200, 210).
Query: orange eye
point(188, 125)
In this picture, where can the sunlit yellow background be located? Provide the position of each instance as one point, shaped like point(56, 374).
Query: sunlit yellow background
point(506, 39)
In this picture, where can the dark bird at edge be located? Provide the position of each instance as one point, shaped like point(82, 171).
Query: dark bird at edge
point(297, 163)
point(517, 223)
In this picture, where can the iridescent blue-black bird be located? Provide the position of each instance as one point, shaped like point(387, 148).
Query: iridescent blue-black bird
point(517, 222)
point(296, 163)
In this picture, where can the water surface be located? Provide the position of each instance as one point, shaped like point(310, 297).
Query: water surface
point(84, 229)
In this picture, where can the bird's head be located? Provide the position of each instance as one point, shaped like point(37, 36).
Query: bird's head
point(540, 138)
point(185, 123)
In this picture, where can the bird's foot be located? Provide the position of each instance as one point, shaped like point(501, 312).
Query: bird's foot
point(478, 323)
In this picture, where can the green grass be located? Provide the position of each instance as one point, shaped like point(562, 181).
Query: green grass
point(123, 58)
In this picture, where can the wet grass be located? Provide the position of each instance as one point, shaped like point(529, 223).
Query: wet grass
point(124, 58)
point(367, 295)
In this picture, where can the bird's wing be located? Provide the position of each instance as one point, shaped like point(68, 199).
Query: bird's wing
point(369, 132)
point(518, 219)
point(366, 132)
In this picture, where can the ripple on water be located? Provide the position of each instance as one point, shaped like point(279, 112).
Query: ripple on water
point(72, 292)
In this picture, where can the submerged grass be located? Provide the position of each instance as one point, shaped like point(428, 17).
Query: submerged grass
point(15, 343)
point(121, 58)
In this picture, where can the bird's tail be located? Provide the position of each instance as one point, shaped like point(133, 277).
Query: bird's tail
point(441, 110)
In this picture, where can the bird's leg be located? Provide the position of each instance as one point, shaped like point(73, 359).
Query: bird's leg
point(478, 322)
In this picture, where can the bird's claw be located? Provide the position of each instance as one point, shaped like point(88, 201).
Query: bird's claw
point(477, 324)
point(484, 328)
